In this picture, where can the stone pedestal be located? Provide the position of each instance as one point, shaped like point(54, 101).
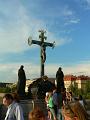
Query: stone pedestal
point(29, 105)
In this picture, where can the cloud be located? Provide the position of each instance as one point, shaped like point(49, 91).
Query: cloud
point(70, 16)
point(75, 21)
point(84, 4)
point(72, 21)
point(8, 72)
point(17, 24)
point(14, 31)
point(63, 41)
point(58, 40)
point(81, 68)
point(66, 11)
point(88, 2)
point(87, 5)
point(16, 27)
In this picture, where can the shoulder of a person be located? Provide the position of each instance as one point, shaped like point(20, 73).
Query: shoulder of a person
point(16, 104)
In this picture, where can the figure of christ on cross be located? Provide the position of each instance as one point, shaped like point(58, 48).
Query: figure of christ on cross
point(43, 46)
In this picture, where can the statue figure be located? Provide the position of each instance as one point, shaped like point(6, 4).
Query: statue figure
point(43, 54)
point(21, 82)
point(60, 79)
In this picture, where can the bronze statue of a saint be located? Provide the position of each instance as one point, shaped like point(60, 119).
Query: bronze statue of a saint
point(60, 79)
point(21, 82)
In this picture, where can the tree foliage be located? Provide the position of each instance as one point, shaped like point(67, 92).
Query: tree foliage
point(84, 92)
point(5, 89)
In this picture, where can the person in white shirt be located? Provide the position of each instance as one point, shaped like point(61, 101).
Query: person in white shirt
point(14, 111)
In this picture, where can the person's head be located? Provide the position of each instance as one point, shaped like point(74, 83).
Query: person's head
point(67, 111)
point(16, 97)
point(79, 111)
point(80, 97)
point(64, 89)
point(7, 99)
point(36, 114)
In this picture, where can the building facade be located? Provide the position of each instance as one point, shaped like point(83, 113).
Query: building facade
point(80, 81)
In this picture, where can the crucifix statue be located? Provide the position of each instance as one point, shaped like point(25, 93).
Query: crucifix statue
point(43, 46)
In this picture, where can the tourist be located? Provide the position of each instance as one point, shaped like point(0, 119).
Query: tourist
point(82, 101)
point(75, 111)
point(16, 97)
point(79, 111)
point(70, 97)
point(68, 113)
point(60, 105)
point(63, 92)
point(55, 100)
point(14, 111)
point(3, 110)
point(37, 114)
point(47, 104)
point(51, 106)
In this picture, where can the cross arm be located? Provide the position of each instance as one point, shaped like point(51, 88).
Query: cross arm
point(49, 44)
point(30, 42)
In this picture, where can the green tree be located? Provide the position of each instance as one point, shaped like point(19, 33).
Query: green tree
point(73, 88)
point(84, 92)
point(5, 90)
point(87, 90)
point(87, 87)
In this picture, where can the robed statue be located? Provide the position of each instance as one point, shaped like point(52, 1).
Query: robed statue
point(60, 79)
point(21, 81)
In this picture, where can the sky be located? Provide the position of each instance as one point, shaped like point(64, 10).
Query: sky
point(67, 22)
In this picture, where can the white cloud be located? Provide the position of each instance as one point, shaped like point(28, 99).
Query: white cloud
point(8, 72)
point(67, 12)
point(17, 26)
point(58, 40)
point(72, 20)
point(79, 68)
point(63, 41)
point(16, 29)
point(75, 21)
point(69, 16)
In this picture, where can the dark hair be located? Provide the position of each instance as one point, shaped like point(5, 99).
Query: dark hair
point(8, 96)
point(80, 97)
point(16, 97)
point(70, 93)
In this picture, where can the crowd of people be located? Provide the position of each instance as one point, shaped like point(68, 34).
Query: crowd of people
point(57, 108)
point(60, 105)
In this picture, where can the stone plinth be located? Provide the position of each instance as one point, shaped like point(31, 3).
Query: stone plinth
point(28, 105)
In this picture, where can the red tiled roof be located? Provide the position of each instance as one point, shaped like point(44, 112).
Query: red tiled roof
point(74, 78)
